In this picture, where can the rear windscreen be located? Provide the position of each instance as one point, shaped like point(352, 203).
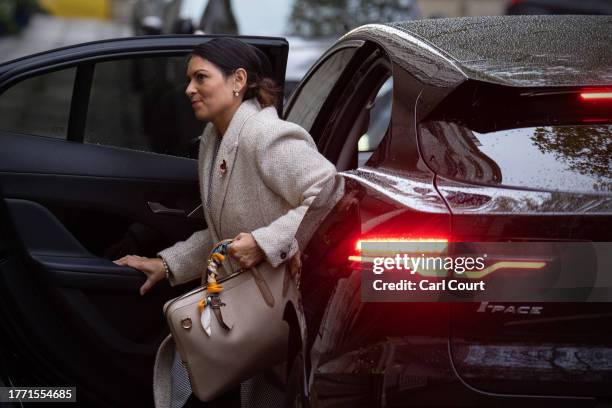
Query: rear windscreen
point(521, 144)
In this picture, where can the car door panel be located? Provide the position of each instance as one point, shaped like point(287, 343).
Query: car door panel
point(95, 297)
point(70, 315)
point(101, 179)
point(33, 154)
point(66, 262)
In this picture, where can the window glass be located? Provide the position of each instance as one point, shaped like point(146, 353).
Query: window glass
point(39, 105)
point(141, 104)
point(565, 158)
point(380, 116)
point(317, 88)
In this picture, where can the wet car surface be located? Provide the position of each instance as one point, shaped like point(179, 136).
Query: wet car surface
point(500, 131)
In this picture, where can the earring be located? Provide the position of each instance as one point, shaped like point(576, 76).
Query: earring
point(236, 93)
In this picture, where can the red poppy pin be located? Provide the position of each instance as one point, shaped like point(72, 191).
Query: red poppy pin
point(223, 166)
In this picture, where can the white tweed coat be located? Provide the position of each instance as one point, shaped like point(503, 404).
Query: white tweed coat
point(273, 172)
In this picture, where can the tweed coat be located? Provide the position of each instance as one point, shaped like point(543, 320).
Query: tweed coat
point(265, 175)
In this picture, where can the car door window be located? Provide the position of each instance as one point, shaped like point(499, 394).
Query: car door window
point(361, 114)
point(380, 116)
point(312, 95)
point(141, 104)
point(39, 105)
point(136, 103)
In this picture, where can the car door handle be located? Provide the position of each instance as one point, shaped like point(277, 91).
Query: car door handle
point(158, 208)
point(197, 213)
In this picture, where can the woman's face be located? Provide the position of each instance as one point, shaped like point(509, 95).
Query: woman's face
point(211, 94)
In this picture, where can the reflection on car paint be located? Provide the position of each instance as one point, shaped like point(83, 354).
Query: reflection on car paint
point(527, 54)
point(392, 365)
point(415, 194)
point(534, 362)
point(466, 199)
point(424, 62)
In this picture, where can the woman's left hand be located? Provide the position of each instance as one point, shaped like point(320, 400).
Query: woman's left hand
point(245, 250)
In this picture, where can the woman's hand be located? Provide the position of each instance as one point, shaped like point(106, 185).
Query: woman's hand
point(153, 268)
point(245, 250)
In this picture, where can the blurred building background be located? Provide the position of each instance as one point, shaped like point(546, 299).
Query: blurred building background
point(29, 26)
point(122, 9)
point(429, 8)
point(458, 8)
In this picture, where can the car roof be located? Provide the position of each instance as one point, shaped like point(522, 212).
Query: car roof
point(524, 51)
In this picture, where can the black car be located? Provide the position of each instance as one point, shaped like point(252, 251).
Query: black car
point(500, 131)
point(410, 113)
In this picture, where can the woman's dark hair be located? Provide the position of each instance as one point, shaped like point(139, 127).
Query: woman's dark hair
point(229, 54)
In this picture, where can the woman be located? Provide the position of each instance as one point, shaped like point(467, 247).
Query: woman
point(258, 175)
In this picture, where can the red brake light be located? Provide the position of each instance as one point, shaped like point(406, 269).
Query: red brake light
point(359, 256)
point(596, 95)
point(408, 245)
point(396, 239)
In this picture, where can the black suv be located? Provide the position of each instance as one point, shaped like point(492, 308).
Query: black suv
point(499, 129)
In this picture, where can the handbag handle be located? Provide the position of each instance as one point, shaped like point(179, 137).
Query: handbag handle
point(214, 261)
point(211, 303)
point(222, 248)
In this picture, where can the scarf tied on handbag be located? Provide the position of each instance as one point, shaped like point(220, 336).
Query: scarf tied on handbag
point(211, 303)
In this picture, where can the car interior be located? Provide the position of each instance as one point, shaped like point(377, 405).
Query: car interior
point(360, 122)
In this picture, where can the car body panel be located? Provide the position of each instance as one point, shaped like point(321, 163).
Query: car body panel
point(439, 354)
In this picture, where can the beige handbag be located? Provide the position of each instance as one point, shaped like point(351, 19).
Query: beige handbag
point(247, 332)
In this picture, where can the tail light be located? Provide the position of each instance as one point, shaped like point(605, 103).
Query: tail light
point(501, 265)
point(389, 247)
point(594, 98)
point(596, 95)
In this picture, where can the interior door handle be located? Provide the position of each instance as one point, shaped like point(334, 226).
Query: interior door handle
point(158, 208)
point(197, 213)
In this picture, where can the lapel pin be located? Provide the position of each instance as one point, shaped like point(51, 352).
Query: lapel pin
point(223, 166)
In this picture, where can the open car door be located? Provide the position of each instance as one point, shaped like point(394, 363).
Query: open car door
point(98, 159)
